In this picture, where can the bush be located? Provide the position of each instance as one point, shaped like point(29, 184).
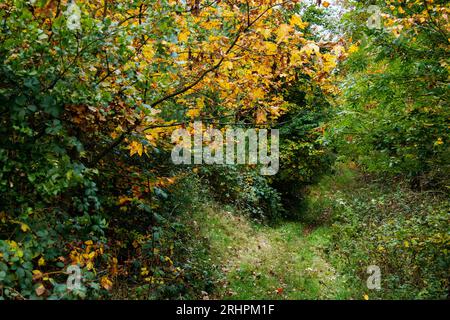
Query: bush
point(393, 116)
point(375, 223)
point(244, 188)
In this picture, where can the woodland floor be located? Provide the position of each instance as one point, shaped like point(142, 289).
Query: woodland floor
point(286, 261)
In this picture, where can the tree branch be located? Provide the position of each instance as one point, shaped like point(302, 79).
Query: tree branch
point(186, 88)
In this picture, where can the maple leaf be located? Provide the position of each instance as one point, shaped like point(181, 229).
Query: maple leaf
point(136, 147)
point(297, 21)
point(283, 32)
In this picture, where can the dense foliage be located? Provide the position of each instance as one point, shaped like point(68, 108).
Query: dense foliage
point(394, 112)
point(91, 91)
point(404, 233)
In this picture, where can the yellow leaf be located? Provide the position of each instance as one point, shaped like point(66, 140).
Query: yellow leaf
point(210, 25)
point(41, 261)
point(12, 243)
point(275, 111)
point(123, 200)
point(326, 4)
point(24, 227)
point(297, 21)
point(366, 297)
point(353, 48)
point(261, 116)
point(89, 242)
point(144, 272)
point(228, 65)
point(148, 51)
point(201, 102)
point(265, 32)
point(258, 93)
point(296, 57)
point(106, 283)
point(406, 244)
point(37, 275)
point(192, 113)
point(271, 48)
point(136, 147)
point(282, 32)
point(183, 36)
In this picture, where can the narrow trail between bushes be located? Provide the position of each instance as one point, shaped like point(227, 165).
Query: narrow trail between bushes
point(286, 261)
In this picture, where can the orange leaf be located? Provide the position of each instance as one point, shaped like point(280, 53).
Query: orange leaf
point(136, 147)
point(261, 116)
point(106, 283)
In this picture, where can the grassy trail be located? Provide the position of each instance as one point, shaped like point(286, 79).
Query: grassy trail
point(262, 262)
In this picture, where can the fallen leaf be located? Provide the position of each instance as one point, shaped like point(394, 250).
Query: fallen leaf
point(40, 290)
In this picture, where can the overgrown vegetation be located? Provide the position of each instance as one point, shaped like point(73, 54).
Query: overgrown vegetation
point(375, 222)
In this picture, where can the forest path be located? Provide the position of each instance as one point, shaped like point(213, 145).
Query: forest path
point(286, 261)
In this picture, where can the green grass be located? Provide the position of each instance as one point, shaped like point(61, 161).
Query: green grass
point(262, 262)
